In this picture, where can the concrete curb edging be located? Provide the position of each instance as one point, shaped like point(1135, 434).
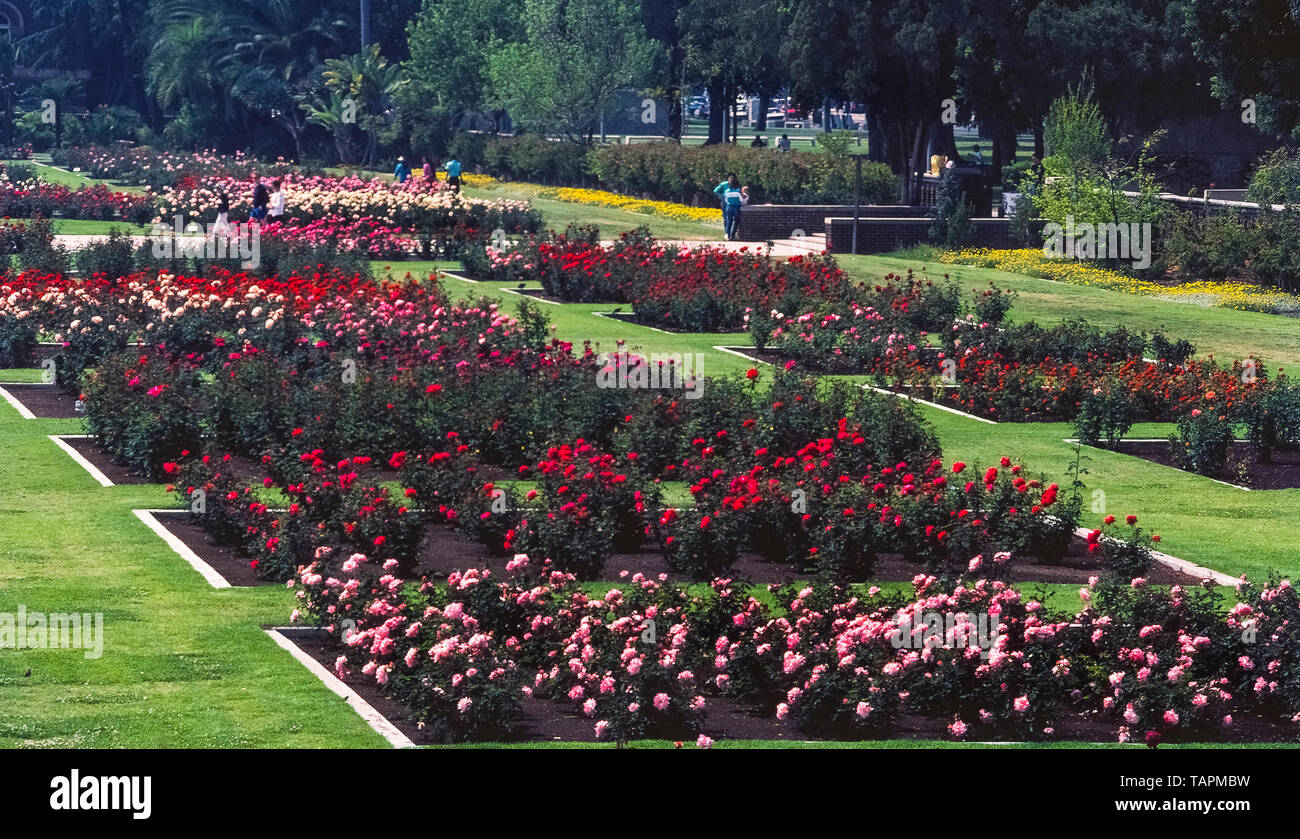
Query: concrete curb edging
point(208, 573)
point(61, 440)
point(281, 635)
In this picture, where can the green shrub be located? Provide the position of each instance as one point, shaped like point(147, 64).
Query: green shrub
point(688, 174)
point(113, 257)
point(1106, 414)
point(951, 224)
point(1203, 440)
point(1277, 180)
point(1273, 419)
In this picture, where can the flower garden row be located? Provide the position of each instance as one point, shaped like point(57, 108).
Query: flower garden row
point(330, 419)
point(828, 661)
point(306, 375)
point(372, 217)
point(918, 334)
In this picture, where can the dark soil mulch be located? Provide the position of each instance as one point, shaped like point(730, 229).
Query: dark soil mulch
point(46, 401)
point(444, 550)
point(114, 471)
point(638, 320)
point(223, 559)
point(1243, 467)
point(543, 720)
point(778, 358)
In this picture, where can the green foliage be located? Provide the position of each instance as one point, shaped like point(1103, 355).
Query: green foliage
point(688, 174)
point(951, 224)
point(1106, 414)
point(1075, 135)
point(1276, 180)
point(574, 58)
point(1203, 440)
point(1221, 246)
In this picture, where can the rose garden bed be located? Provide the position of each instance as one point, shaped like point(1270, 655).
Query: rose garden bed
point(725, 718)
point(1243, 467)
point(45, 401)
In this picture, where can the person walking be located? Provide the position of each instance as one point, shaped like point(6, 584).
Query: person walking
point(400, 172)
point(222, 225)
point(732, 198)
point(453, 173)
point(430, 171)
point(275, 211)
point(261, 199)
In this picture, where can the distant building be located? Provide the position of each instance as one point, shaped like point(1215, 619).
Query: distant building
point(1216, 149)
point(13, 19)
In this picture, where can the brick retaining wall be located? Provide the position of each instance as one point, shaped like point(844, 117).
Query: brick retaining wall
point(761, 222)
point(878, 235)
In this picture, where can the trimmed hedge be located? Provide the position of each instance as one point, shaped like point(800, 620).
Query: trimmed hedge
point(688, 174)
point(684, 174)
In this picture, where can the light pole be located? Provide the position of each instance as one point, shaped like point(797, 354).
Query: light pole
point(365, 24)
point(857, 197)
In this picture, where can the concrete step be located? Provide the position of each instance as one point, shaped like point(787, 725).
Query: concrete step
point(812, 243)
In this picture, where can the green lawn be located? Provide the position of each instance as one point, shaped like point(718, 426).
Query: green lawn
point(183, 664)
point(92, 227)
point(50, 173)
point(1227, 334)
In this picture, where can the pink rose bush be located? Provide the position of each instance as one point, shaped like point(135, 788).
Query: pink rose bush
point(644, 659)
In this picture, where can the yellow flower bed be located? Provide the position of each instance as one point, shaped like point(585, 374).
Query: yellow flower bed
point(467, 179)
point(663, 209)
point(1033, 262)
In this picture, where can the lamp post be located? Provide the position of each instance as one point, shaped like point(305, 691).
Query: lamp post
point(857, 196)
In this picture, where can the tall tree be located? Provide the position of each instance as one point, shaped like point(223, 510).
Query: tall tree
point(1253, 49)
point(110, 38)
point(450, 44)
point(576, 57)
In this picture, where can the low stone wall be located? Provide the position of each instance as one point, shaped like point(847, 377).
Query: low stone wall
point(761, 222)
point(878, 235)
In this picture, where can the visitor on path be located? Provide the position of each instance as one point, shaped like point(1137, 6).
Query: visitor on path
point(733, 196)
point(453, 173)
point(430, 171)
point(261, 199)
point(758, 143)
point(222, 225)
point(276, 209)
point(400, 172)
point(783, 144)
point(978, 155)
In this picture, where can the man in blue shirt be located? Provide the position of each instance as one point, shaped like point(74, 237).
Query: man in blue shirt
point(401, 173)
point(453, 173)
point(732, 198)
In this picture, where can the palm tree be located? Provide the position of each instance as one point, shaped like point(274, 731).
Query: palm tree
point(371, 82)
point(224, 55)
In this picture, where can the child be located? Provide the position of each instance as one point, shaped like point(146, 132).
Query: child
point(276, 210)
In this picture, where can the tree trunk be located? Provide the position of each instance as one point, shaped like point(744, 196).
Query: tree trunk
point(914, 165)
point(875, 137)
point(715, 113)
point(764, 101)
point(1038, 141)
